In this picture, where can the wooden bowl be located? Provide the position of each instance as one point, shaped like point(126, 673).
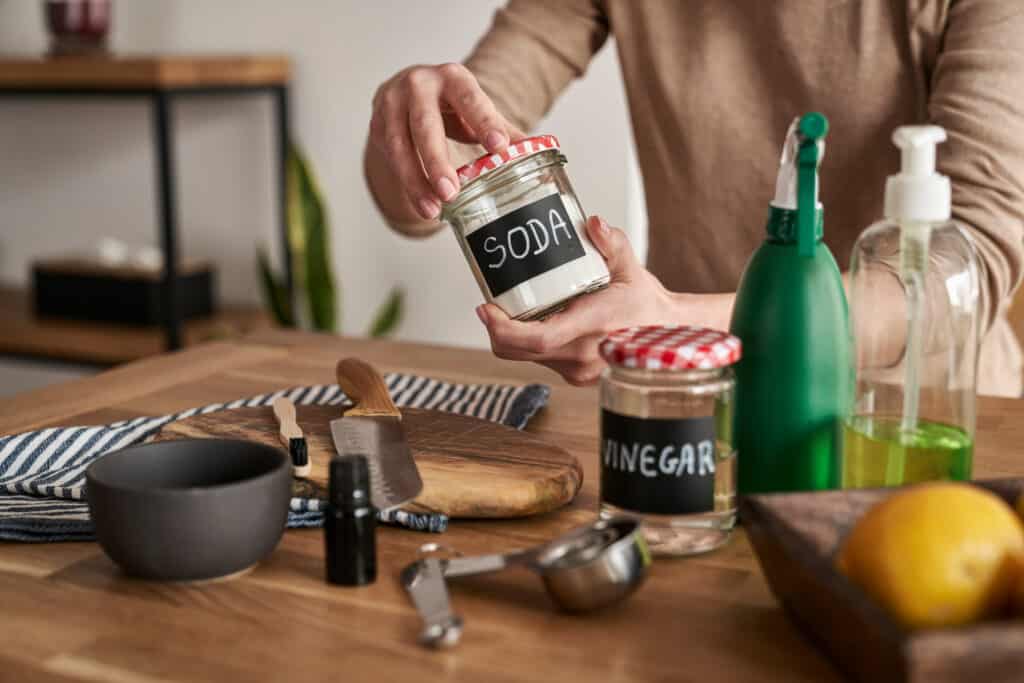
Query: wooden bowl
point(796, 536)
point(189, 510)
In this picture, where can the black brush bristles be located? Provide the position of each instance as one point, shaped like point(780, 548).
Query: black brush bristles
point(299, 452)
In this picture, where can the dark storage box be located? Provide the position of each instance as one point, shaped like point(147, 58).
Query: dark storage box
point(796, 536)
point(84, 290)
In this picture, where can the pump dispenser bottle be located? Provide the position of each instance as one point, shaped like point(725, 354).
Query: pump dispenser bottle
point(793, 383)
point(914, 310)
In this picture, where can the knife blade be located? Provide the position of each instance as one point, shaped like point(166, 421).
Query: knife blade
point(373, 427)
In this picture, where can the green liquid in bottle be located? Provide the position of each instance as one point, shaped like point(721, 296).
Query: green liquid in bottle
point(877, 452)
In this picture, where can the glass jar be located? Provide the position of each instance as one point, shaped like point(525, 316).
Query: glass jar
point(522, 231)
point(78, 27)
point(667, 454)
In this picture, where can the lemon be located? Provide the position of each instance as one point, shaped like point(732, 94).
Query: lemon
point(938, 554)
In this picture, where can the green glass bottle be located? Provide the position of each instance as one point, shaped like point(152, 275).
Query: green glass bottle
point(794, 381)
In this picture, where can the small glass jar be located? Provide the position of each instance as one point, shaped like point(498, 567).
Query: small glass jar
point(522, 230)
point(667, 454)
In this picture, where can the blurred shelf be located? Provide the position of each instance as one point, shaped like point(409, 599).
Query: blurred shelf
point(23, 334)
point(142, 72)
point(159, 80)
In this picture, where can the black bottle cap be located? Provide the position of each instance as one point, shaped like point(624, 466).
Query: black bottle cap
point(349, 481)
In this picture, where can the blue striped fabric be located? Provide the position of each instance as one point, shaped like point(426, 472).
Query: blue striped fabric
point(42, 473)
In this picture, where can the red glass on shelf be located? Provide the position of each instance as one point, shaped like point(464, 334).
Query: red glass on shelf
point(78, 27)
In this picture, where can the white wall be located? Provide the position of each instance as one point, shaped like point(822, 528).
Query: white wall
point(71, 172)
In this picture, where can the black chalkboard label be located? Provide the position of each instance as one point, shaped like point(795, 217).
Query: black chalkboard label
point(524, 243)
point(658, 466)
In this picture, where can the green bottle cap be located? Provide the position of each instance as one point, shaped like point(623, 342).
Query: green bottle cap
point(814, 126)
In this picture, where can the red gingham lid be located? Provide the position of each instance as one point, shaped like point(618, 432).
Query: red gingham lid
point(670, 347)
point(489, 162)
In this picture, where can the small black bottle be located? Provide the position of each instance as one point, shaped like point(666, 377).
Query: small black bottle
point(350, 523)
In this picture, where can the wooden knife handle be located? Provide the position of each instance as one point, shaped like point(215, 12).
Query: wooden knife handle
point(365, 388)
point(284, 411)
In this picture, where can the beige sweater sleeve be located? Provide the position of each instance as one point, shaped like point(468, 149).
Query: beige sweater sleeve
point(977, 95)
point(533, 50)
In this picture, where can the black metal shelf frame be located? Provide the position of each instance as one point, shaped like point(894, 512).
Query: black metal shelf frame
point(161, 100)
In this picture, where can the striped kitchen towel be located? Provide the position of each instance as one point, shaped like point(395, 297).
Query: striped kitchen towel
point(42, 473)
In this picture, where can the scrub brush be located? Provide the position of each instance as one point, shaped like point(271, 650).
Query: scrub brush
point(292, 437)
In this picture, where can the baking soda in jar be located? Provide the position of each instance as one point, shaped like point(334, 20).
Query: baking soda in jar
point(522, 230)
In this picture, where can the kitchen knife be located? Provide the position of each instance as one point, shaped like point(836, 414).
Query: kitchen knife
point(373, 427)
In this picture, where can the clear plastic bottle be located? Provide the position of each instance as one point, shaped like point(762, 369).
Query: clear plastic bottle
point(914, 313)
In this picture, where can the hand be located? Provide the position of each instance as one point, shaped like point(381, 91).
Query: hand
point(413, 115)
point(567, 341)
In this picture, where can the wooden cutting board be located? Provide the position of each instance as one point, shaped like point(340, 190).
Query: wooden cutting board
point(470, 467)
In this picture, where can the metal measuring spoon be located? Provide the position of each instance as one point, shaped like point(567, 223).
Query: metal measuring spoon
point(586, 569)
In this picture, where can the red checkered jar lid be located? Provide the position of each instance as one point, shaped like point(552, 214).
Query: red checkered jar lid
point(519, 150)
point(670, 347)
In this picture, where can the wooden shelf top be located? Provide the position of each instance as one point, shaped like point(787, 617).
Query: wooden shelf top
point(22, 333)
point(141, 72)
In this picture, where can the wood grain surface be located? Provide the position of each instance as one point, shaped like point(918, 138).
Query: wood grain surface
point(471, 468)
point(69, 615)
point(366, 389)
point(142, 71)
point(23, 333)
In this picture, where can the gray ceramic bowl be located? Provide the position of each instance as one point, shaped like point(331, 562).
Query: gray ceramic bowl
point(191, 509)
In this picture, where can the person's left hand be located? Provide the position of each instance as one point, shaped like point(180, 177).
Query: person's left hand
point(567, 341)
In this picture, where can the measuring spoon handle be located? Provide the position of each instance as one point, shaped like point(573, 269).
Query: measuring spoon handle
point(424, 581)
point(484, 564)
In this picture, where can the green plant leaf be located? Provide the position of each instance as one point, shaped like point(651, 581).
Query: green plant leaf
point(296, 218)
point(309, 235)
point(389, 315)
point(275, 294)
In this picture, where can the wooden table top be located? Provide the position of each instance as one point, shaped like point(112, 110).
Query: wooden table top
point(68, 614)
point(127, 72)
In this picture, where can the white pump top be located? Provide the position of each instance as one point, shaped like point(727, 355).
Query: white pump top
point(918, 193)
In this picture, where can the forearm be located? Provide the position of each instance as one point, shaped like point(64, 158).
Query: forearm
point(715, 311)
point(429, 119)
point(393, 203)
point(975, 96)
point(702, 310)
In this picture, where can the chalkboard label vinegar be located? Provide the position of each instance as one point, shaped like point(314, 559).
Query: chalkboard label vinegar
point(522, 230)
point(664, 466)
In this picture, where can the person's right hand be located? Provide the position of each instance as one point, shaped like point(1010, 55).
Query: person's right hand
point(413, 115)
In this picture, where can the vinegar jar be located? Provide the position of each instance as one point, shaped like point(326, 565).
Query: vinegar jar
point(667, 454)
point(522, 231)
